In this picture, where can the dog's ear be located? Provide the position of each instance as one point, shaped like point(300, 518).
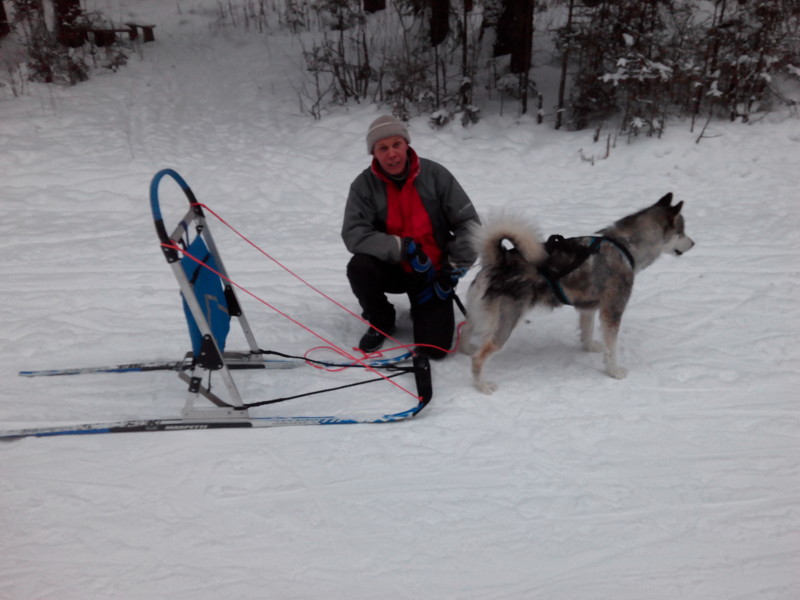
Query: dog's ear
point(665, 201)
point(672, 214)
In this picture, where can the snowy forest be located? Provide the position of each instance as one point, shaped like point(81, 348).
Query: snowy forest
point(681, 481)
point(629, 63)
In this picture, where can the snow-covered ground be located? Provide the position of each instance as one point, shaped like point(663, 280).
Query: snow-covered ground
point(681, 481)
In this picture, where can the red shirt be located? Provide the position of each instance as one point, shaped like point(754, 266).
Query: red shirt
point(406, 215)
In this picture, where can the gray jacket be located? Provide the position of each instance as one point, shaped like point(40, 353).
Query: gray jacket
point(447, 204)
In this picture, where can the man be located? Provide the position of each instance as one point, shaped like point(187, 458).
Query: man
point(406, 222)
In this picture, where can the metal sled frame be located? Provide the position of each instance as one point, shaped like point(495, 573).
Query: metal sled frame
point(209, 355)
point(210, 303)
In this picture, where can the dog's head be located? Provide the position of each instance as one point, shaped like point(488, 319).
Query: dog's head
point(676, 240)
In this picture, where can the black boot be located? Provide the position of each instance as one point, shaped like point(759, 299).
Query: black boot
point(373, 339)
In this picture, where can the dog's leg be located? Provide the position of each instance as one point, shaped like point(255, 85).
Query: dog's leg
point(587, 330)
point(478, 362)
point(508, 314)
point(610, 321)
point(465, 344)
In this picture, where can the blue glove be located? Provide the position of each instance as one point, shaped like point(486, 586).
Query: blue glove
point(444, 286)
point(416, 257)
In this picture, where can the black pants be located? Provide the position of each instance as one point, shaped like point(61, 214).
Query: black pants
point(371, 279)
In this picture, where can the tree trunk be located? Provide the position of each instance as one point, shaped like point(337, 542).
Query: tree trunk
point(5, 27)
point(515, 34)
point(440, 23)
point(66, 12)
point(562, 83)
point(373, 6)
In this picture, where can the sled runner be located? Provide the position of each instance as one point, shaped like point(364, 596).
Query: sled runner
point(210, 304)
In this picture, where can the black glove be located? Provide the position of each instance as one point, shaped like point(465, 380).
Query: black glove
point(444, 285)
point(416, 257)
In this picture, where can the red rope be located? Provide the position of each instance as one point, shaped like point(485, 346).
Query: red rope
point(331, 345)
point(288, 270)
point(326, 296)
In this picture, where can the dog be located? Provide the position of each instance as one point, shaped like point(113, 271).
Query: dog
point(594, 274)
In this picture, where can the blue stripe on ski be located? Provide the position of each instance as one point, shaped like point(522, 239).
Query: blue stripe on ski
point(188, 425)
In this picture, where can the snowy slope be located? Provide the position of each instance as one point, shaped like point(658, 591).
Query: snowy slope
point(681, 481)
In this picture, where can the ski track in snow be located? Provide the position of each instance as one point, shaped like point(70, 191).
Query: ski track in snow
point(681, 481)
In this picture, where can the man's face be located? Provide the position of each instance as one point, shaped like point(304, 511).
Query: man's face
point(391, 153)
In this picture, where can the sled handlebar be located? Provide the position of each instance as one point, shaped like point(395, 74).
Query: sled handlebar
point(169, 252)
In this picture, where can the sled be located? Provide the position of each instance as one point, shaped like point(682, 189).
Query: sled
point(211, 307)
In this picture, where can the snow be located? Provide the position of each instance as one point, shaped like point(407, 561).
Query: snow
point(681, 481)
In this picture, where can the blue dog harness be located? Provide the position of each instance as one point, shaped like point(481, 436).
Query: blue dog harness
point(553, 277)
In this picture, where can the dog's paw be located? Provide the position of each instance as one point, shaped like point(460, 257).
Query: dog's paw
point(617, 372)
point(487, 387)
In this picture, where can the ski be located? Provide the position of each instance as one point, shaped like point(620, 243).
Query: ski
point(179, 365)
point(241, 361)
point(153, 425)
point(230, 417)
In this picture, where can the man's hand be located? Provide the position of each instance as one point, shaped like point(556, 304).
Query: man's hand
point(444, 285)
point(416, 257)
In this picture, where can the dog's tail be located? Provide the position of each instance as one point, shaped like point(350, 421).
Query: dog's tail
point(491, 241)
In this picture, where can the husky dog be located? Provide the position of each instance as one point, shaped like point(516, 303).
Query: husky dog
point(593, 274)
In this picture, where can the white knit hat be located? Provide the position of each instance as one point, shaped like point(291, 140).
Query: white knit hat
point(384, 127)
